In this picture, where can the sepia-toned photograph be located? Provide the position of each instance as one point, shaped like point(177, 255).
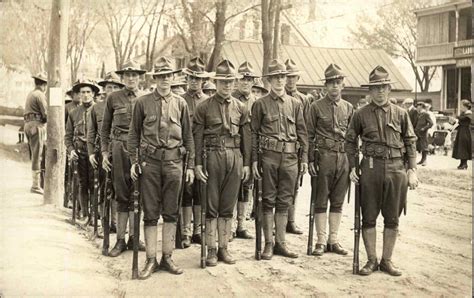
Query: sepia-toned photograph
point(252, 148)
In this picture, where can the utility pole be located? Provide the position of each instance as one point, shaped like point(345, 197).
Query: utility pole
point(55, 148)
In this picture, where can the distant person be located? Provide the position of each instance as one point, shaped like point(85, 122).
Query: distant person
point(209, 88)
point(393, 100)
point(462, 148)
point(423, 123)
point(35, 127)
point(412, 112)
point(258, 90)
point(362, 102)
point(429, 110)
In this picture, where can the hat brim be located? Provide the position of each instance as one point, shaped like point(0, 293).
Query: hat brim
point(201, 75)
point(165, 72)
point(226, 78)
point(77, 88)
point(249, 75)
point(378, 83)
point(103, 83)
point(39, 78)
point(294, 73)
point(333, 78)
point(275, 73)
point(261, 88)
point(122, 71)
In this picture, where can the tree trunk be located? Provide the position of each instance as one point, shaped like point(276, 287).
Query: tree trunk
point(219, 34)
point(267, 33)
point(276, 29)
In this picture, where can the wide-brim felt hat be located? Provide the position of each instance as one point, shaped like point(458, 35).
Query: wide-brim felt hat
point(259, 85)
point(246, 70)
point(291, 67)
point(69, 91)
point(276, 67)
point(163, 66)
point(197, 68)
point(178, 83)
point(225, 70)
point(86, 83)
point(332, 72)
point(131, 66)
point(379, 76)
point(42, 76)
point(111, 78)
point(209, 86)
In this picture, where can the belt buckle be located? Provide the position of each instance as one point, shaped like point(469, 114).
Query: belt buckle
point(283, 147)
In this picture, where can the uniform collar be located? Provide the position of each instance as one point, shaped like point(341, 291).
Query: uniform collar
point(158, 96)
point(129, 92)
point(385, 107)
point(291, 92)
point(330, 101)
point(240, 95)
point(197, 93)
point(275, 96)
point(221, 99)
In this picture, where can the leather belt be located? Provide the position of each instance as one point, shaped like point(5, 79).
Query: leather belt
point(32, 117)
point(381, 151)
point(163, 154)
point(278, 146)
point(221, 142)
point(119, 134)
point(330, 144)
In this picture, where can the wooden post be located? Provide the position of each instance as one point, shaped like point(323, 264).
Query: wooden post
point(55, 148)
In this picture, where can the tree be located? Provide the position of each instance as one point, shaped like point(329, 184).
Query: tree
point(152, 35)
point(394, 30)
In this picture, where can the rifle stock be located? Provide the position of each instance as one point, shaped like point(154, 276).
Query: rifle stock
point(357, 225)
point(74, 191)
point(178, 243)
point(95, 201)
point(136, 224)
point(309, 250)
point(107, 195)
point(203, 188)
point(258, 207)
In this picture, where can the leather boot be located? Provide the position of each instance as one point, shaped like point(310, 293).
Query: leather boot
point(141, 245)
point(168, 238)
point(224, 228)
point(196, 238)
point(36, 188)
point(131, 230)
point(333, 243)
point(187, 217)
point(151, 264)
point(120, 246)
point(320, 221)
point(267, 253)
point(389, 239)
point(211, 227)
point(370, 239)
point(280, 248)
point(241, 232)
point(291, 226)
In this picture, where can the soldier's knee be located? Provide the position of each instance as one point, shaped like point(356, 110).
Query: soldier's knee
point(169, 218)
point(336, 209)
point(150, 222)
point(320, 210)
point(281, 210)
point(267, 210)
point(368, 224)
point(391, 225)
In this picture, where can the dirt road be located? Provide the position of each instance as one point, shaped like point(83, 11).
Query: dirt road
point(42, 255)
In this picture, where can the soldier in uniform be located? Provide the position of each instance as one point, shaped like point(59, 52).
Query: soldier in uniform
point(191, 206)
point(328, 119)
point(258, 90)
point(209, 88)
point(291, 80)
point(423, 123)
point(244, 94)
point(76, 142)
point(74, 103)
point(161, 131)
point(110, 83)
point(412, 112)
point(35, 116)
point(387, 168)
point(279, 129)
point(221, 127)
point(114, 134)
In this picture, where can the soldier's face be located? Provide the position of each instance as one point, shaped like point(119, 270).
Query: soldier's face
point(278, 83)
point(334, 87)
point(163, 82)
point(109, 88)
point(194, 83)
point(245, 85)
point(76, 97)
point(379, 94)
point(225, 87)
point(257, 92)
point(87, 94)
point(291, 81)
point(131, 79)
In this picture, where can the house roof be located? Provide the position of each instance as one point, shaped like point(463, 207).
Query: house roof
point(356, 63)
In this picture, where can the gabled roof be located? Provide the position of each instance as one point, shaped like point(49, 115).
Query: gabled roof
point(356, 63)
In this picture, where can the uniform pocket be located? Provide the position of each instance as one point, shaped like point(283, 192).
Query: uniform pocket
point(149, 125)
point(235, 125)
point(214, 121)
point(271, 121)
point(291, 126)
point(371, 132)
point(175, 127)
point(121, 117)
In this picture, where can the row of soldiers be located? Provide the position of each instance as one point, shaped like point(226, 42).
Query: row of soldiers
point(232, 138)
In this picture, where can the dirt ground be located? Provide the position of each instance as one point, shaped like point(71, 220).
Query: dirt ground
point(42, 255)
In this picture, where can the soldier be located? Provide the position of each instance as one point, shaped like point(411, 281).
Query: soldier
point(258, 90)
point(244, 94)
point(423, 123)
point(412, 112)
point(76, 142)
point(110, 83)
point(114, 134)
point(209, 88)
point(291, 79)
point(279, 129)
point(177, 87)
point(74, 103)
point(328, 119)
point(388, 141)
point(191, 206)
point(221, 128)
point(161, 128)
point(35, 116)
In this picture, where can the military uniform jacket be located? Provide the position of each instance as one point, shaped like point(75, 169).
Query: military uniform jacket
point(117, 116)
point(248, 100)
point(193, 99)
point(279, 118)
point(301, 97)
point(36, 104)
point(162, 122)
point(328, 121)
point(76, 127)
point(222, 117)
point(387, 125)
point(94, 127)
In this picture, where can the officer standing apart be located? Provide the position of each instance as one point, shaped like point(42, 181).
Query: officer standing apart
point(221, 127)
point(161, 131)
point(35, 127)
point(388, 142)
point(195, 74)
point(114, 134)
point(278, 127)
point(244, 94)
point(292, 78)
point(328, 119)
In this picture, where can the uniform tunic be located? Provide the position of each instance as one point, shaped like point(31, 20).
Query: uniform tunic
point(161, 131)
point(328, 121)
point(423, 123)
point(301, 97)
point(114, 134)
point(221, 127)
point(278, 122)
point(35, 128)
point(462, 148)
point(388, 141)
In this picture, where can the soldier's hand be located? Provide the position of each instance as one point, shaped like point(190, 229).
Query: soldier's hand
point(246, 173)
point(313, 169)
point(353, 175)
point(200, 174)
point(412, 179)
point(135, 171)
point(304, 168)
point(73, 155)
point(255, 171)
point(189, 176)
point(106, 165)
point(93, 161)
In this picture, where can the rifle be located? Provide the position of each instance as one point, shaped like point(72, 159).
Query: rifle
point(299, 177)
point(95, 201)
point(203, 187)
point(74, 191)
point(136, 219)
point(67, 183)
point(177, 241)
point(258, 205)
point(43, 167)
point(107, 195)
point(357, 225)
point(312, 205)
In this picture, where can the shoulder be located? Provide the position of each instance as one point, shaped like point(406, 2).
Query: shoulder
point(116, 94)
point(347, 104)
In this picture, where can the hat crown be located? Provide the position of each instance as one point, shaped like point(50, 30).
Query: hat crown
point(246, 69)
point(163, 64)
point(333, 71)
point(209, 86)
point(291, 66)
point(378, 74)
point(276, 67)
point(42, 75)
point(225, 68)
point(111, 76)
point(131, 65)
point(196, 65)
